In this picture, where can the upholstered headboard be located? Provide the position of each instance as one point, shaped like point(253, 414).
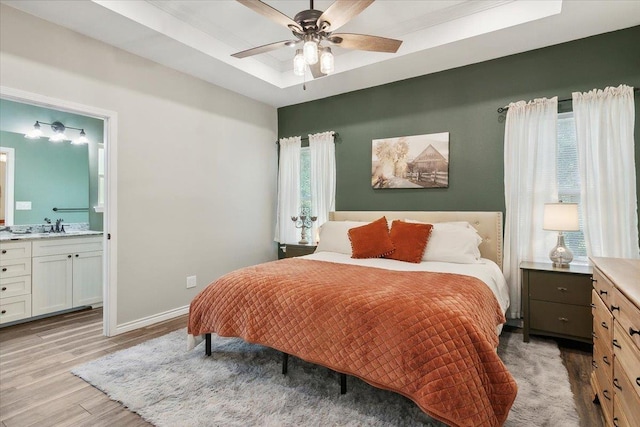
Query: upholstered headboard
point(488, 224)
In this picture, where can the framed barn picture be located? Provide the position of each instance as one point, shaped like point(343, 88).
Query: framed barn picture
point(418, 161)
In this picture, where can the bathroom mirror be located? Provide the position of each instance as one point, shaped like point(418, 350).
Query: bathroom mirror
point(39, 175)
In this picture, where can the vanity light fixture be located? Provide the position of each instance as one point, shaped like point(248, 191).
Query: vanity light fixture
point(58, 133)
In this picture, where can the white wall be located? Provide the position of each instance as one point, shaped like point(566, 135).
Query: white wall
point(196, 163)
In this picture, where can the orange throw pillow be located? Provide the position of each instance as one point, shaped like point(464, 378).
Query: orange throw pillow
point(371, 240)
point(410, 240)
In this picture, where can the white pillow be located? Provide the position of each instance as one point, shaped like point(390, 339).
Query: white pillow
point(455, 242)
point(334, 237)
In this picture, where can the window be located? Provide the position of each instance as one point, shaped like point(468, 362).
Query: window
point(568, 179)
point(305, 178)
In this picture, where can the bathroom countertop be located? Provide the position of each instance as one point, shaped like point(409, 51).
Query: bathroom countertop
point(8, 236)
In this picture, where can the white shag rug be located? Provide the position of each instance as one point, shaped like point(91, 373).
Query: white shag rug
point(242, 385)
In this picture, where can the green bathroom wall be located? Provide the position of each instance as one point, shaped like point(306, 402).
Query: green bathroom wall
point(69, 173)
point(462, 101)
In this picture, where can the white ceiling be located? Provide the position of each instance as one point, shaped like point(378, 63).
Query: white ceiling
point(198, 37)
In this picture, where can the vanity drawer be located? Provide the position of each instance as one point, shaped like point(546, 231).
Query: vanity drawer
point(562, 288)
point(560, 318)
point(15, 286)
point(602, 320)
point(15, 308)
point(14, 250)
point(603, 286)
point(66, 245)
point(15, 267)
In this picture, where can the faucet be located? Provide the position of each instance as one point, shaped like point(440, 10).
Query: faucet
point(59, 229)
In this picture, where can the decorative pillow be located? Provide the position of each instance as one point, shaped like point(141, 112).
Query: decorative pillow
point(371, 240)
point(410, 240)
point(333, 236)
point(455, 242)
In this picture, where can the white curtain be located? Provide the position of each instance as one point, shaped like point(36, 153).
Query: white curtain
point(288, 190)
point(529, 182)
point(604, 132)
point(323, 177)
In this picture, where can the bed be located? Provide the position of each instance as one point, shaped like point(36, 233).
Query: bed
point(427, 329)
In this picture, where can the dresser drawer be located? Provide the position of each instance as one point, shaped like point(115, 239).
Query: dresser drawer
point(562, 319)
point(14, 250)
point(619, 418)
point(627, 356)
point(605, 393)
point(15, 267)
point(15, 308)
point(629, 400)
point(602, 320)
point(628, 315)
point(15, 286)
point(603, 286)
point(562, 288)
point(66, 245)
point(603, 361)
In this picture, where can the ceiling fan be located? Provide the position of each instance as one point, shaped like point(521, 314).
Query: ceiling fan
point(312, 28)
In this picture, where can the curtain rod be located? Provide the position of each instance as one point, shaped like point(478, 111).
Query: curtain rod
point(305, 138)
point(503, 109)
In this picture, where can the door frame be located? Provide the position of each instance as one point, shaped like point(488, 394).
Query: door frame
point(110, 223)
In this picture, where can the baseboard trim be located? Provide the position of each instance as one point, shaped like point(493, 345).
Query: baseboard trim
point(151, 320)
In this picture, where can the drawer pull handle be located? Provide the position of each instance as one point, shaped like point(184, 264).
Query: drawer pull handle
point(4, 269)
point(632, 331)
point(593, 305)
point(604, 325)
point(605, 393)
point(77, 255)
point(638, 381)
point(605, 359)
point(616, 384)
point(3, 311)
point(4, 288)
point(604, 293)
point(594, 335)
point(68, 256)
point(563, 319)
point(595, 364)
point(615, 422)
point(561, 289)
point(614, 308)
point(4, 251)
point(615, 344)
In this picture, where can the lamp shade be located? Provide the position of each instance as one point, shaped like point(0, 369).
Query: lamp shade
point(561, 217)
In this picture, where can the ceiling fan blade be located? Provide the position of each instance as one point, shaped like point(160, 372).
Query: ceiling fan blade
point(365, 42)
point(341, 12)
point(315, 70)
point(262, 49)
point(271, 13)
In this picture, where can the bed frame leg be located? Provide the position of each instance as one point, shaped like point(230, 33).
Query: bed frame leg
point(207, 348)
point(343, 383)
point(285, 363)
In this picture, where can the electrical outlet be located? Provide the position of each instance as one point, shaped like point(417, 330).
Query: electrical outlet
point(191, 281)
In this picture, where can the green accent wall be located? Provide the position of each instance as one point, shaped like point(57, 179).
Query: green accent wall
point(52, 174)
point(462, 101)
point(48, 175)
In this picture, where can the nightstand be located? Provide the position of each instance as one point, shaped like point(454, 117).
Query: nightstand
point(556, 302)
point(294, 250)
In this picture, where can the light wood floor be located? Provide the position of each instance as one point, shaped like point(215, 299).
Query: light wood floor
point(37, 388)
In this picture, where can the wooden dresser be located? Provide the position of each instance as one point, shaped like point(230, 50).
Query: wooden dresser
point(616, 339)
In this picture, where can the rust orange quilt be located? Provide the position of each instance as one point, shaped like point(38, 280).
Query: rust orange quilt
point(428, 336)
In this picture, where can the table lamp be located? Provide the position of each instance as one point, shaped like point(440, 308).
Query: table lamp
point(561, 217)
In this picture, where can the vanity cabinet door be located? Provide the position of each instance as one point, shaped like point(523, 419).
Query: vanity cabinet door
point(52, 283)
point(87, 278)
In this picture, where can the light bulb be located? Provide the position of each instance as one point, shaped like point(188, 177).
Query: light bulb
point(310, 49)
point(35, 133)
point(298, 63)
point(326, 61)
point(57, 137)
point(82, 139)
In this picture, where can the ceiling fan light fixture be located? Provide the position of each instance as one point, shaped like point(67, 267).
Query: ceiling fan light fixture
point(326, 61)
point(299, 63)
point(310, 50)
